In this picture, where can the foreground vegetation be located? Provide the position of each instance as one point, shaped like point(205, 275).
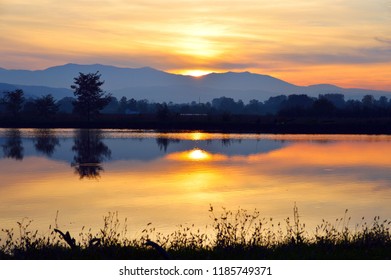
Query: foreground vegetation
point(235, 235)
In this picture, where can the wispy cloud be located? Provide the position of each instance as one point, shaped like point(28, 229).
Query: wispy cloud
point(175, 34)
point(383, 40)
point(361, 56)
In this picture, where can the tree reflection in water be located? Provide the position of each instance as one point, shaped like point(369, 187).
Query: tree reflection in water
point(163, 142)
point(13, 147)
point(90, 151)
point(45, 141)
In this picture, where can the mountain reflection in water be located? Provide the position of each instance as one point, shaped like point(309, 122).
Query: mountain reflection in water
point(172, 178)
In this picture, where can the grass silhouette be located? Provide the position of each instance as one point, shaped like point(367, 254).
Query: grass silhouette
point(239, 234)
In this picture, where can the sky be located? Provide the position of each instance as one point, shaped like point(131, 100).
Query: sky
point(343, 42)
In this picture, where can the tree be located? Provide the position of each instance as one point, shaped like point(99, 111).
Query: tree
point(253, 107)
point(46, 106)
point(162, 111)
point(122, 105)
point(274, 104)
point(13, 101)
point(90, 98)
point(337, 99)
point(382, 102)
point(368, 101)
point(323, 107)
point(65, 105)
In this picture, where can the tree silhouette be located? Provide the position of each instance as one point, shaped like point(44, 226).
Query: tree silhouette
point(323, 107)
point(90, 98)
point(13, 101)
point(122, 105)
point(368, 101)
point(90, 152)
point(13, 147)
point(46, 106)
point(45, 141)
point(162, 111)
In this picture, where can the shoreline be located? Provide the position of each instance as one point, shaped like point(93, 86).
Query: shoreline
point(266, 125)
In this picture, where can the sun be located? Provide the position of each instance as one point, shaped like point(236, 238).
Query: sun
point(196, 72)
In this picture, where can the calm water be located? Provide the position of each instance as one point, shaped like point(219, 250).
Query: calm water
point(169, 179)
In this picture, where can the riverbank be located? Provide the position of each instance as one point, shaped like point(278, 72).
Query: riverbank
point(231, 123)
point(236, 235)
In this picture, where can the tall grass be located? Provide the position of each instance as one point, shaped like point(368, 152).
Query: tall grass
point(239, 234)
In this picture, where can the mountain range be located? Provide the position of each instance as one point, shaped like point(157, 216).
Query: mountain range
point(159, 86)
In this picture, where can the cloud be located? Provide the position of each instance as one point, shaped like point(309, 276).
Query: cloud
point(383, 40)
point(248, 35)
point(354, 56)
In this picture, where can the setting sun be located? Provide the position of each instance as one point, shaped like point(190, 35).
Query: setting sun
point(349, 49)
point(196, 72)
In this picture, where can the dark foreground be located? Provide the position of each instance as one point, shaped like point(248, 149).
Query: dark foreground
point(236, 235)
point(214, 123)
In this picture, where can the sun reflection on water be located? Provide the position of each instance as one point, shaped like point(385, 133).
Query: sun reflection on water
point(198, 154)
point(197, 136)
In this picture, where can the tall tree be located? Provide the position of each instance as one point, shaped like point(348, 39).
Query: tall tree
point(13, 101)
point(90, 98)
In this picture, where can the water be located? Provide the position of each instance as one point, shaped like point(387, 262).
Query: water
point(171, 179)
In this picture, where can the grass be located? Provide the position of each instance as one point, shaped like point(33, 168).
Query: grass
point(235, 235)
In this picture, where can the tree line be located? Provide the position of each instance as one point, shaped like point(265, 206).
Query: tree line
point(90, 100)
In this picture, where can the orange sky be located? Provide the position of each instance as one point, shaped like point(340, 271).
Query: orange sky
point(347, 43)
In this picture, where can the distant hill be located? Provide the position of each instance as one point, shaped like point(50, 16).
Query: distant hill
point(36, 91)
point(159, 86)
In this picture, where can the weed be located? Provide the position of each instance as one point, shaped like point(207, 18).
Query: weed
point(235, 234)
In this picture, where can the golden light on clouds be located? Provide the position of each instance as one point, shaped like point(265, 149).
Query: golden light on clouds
point(303, 42)
point(199, 41)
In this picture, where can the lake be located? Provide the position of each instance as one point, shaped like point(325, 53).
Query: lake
point(172, 179)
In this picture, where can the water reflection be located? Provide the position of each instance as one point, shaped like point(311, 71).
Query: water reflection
point(163, 142)
point(45, 141)
point(196, 155)
point(170, 184)
point(13, 148)
point(90, 152)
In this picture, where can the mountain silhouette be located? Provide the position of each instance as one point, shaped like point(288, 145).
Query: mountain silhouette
point(159, 86)
point(36, 91)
